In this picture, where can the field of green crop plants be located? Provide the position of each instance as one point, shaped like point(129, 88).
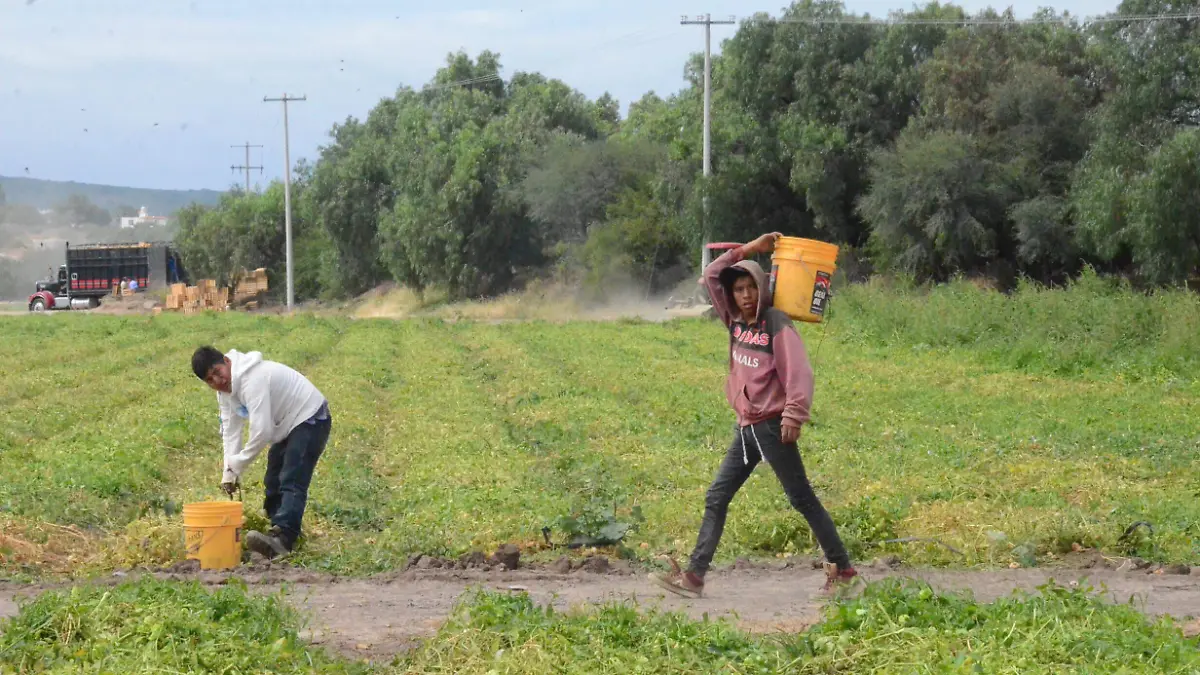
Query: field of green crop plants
point(1009, 428)
point(893, 627)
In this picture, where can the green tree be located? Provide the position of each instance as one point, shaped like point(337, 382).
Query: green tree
point(1150, 74)
point(932, 205)
point(575, 181)
point(246, 231)
point(351, 187)
point(1005, 106)
point(459, 155)
point(1164, 231)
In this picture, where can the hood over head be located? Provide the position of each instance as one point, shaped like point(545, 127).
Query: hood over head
point(239, 363)
point(731, 273)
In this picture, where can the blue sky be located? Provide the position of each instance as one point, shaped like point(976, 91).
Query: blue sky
point(151, 93)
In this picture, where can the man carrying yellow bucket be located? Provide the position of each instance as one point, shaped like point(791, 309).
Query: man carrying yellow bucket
point(770, 388)
point(286, 412)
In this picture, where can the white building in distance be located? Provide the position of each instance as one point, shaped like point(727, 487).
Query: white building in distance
point(142, 218)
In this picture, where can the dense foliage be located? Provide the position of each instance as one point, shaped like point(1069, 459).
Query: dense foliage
point(933, 149)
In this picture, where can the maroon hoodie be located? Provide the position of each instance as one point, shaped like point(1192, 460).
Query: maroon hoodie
point(769, 372)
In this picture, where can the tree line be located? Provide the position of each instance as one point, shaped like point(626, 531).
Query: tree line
point(924, 148)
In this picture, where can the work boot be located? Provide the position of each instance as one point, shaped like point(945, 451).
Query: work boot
point(687, 584)
point(270, 545)
point(836, 578)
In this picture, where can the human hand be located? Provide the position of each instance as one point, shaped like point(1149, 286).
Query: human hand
point(229, 487)
point(790, 433)
point(764, 244)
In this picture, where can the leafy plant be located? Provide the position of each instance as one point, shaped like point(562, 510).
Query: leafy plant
point(599, 523)
point(150, 626)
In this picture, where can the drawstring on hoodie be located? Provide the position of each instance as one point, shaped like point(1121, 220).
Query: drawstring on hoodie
point(742, 435)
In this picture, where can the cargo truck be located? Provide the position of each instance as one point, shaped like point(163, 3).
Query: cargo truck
point(93, 271)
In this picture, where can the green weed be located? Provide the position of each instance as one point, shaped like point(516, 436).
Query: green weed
point(153, 627)
point(894, 626)
point(901, 626)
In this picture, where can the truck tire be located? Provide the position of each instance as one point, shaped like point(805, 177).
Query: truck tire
point(38, 305)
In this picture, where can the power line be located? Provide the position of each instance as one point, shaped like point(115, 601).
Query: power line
point(247, 165)
point(481, 79)
point(287, 191)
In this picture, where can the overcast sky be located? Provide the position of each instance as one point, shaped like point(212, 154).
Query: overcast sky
point(152, 93)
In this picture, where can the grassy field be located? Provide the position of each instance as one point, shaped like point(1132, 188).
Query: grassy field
point(894, 627)
point(1010, 428)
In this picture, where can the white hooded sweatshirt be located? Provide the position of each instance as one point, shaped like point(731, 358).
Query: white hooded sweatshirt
point(275, 398)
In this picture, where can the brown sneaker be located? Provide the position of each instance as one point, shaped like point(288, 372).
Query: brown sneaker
point(687, 584)
point(837, 578)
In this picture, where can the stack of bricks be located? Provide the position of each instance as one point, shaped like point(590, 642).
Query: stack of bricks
point(192, 299)
point(250, 284)
point(175, 296)
point(248, 288)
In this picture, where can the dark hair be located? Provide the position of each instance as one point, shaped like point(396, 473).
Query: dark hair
point(204, 359)
point(730, 275)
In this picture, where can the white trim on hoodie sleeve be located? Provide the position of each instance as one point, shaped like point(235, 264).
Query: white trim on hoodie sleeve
point(256, 394)
point(231, 434)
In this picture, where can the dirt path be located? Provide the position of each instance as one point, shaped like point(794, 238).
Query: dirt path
point(377, 617)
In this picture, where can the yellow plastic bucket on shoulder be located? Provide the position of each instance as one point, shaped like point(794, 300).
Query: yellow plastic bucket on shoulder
point(801, 272)
point(212, 534)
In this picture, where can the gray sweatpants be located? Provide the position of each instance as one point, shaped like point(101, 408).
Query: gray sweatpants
point(750, 445)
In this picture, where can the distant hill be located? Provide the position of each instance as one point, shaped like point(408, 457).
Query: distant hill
point(45, 194)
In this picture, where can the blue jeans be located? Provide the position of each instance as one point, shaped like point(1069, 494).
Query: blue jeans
point(290, 465)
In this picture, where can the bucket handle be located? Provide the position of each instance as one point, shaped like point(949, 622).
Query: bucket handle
point(811, 274)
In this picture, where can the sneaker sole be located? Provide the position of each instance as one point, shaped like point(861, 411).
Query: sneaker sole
point(663, 583)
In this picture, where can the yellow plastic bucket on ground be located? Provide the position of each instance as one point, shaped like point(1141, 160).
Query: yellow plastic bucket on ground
point(212, 534)
point(801, 270)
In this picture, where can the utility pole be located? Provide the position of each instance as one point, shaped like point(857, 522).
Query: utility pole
point(287, 191)
point(708, 22)
point(246, 166)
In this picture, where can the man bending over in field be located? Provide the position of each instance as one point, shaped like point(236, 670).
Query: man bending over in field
point(286, 412)
point(770, 387)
